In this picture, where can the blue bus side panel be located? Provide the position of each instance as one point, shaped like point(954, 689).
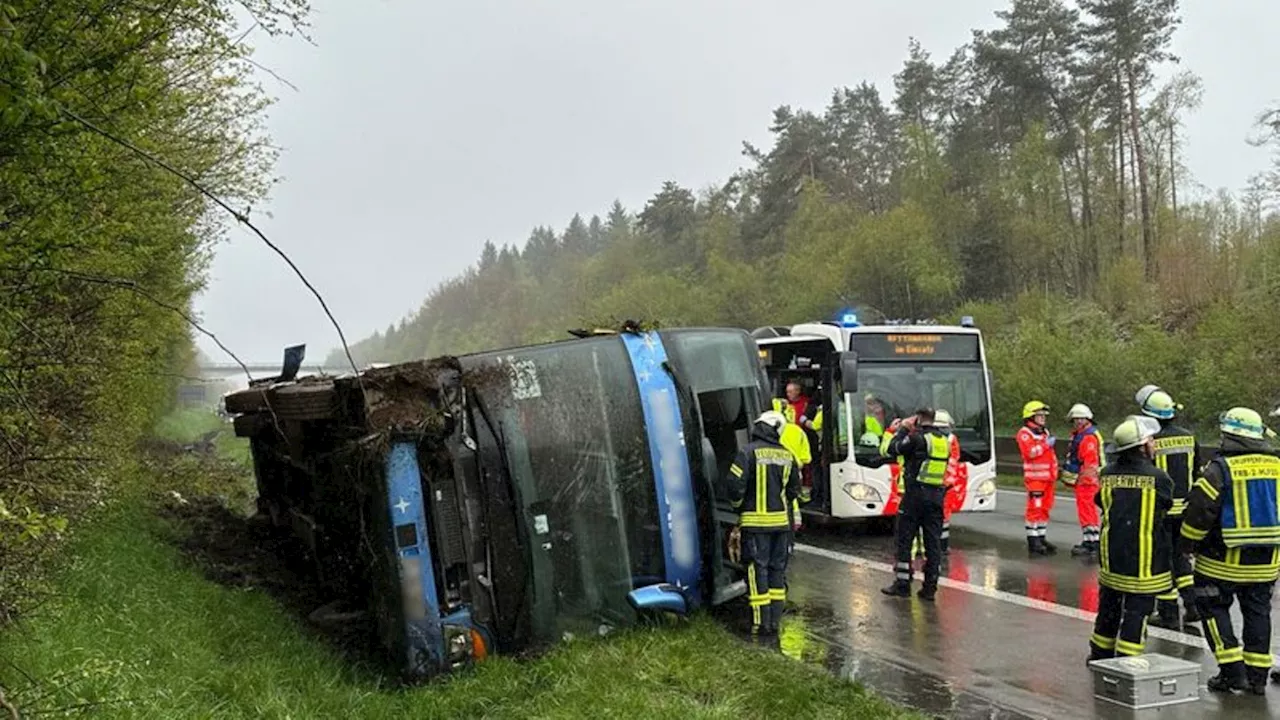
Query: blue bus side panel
point(672, 474)
point(423, 640)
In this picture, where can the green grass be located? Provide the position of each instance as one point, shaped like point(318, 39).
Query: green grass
point(137, 632)
point(1010, 482)
point(185, 425)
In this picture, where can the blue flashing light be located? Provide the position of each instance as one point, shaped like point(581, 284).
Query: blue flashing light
point(966, 321)
point(849, 320)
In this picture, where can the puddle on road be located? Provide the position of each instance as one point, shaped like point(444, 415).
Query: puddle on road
point(985, 561)
point(802, 640)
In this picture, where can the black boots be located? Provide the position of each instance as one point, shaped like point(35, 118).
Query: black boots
point(928, 593)
point(1225, 682)
point(1236, 677)
point(1040, 546)
point(899, 588)
point(1086, 549)
point(1168, 616)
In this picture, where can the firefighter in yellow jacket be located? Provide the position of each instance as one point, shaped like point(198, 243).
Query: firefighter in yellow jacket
point(1232, 523)
point(1134, 555)
point(762, 486)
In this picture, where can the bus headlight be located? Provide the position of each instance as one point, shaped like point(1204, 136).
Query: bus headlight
point(463, 645)
point(861, 493)
point(988, 487)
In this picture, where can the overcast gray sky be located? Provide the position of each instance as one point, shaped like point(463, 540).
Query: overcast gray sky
point(421, 129)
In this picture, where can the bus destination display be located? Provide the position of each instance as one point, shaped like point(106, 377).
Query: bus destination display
point(936, 347)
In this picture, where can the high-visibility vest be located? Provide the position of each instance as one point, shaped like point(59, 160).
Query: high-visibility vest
point(1250, 506)
point(933, 470)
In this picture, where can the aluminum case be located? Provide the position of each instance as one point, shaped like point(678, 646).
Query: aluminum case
point(1146, 681)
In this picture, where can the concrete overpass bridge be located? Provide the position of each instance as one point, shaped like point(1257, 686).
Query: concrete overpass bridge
point(215, 371)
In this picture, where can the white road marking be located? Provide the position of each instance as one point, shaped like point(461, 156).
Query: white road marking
point(1056, 609)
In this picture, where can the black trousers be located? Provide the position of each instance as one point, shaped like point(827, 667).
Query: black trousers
point(1121, 626)
point(1182, 573)
point(920, 511)
point(1215, 598)
point(765, 552)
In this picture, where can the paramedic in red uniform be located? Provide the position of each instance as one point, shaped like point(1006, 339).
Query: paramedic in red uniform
point(1084, 462)
point(793, 408)
point(1039, 473)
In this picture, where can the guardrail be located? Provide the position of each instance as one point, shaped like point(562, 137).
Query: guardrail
point(1009, 459)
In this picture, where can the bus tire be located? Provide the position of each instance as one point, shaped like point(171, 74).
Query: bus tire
point(304, 402)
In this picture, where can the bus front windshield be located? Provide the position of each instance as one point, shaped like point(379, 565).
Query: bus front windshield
point(895, 390)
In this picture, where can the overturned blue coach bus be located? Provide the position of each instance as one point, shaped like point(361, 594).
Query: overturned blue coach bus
point(502, 501)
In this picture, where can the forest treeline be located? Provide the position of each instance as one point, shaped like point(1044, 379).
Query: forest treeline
point(101, 251)
point(1033, 179)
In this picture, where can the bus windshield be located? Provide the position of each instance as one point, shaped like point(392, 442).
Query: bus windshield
point(896, 390)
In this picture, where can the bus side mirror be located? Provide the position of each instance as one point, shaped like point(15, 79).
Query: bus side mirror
point(661, 597)
point(849, 371)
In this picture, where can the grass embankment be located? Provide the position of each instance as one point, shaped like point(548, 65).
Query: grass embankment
point(137, 630)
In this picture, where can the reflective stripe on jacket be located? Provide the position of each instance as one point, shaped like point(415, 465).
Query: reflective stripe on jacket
point(1221, 497)
point(1039, 464)
point(926, 453)
point(1134, 552)
point(1176, 451)
point(763, 484)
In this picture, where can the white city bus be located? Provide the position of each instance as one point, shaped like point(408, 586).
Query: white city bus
point(885, 371)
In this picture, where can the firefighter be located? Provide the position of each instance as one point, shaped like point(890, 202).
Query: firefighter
point(1176, 453)
point(1039, 472)
point(1084, 459)
point(1231, 524)
point(926, 451)
point(955, 493)
point(1134, 496)
point(763, 482)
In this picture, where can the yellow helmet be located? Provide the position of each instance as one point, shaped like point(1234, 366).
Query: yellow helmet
point(1035, 407)
point(1242, 422)
point(1134, 431)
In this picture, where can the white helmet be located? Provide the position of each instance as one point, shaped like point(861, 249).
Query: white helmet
point(1134, 431)
point(1156, 403)
point(1143, 393)
point(773, 419)
point(942, 419)
point(1079, 410)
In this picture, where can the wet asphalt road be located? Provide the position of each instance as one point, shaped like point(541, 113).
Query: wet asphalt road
point(1007, 637)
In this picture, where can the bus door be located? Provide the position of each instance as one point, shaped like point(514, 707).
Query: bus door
point(812, 364)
